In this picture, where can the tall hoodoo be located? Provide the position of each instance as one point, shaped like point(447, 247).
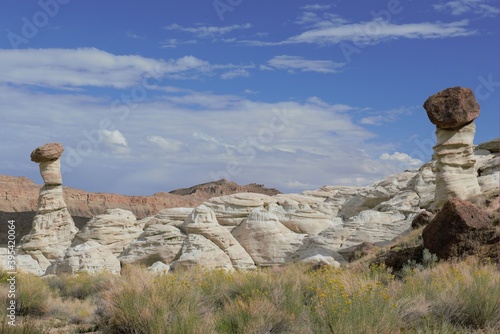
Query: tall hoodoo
point(453, 111)
point(53, 227)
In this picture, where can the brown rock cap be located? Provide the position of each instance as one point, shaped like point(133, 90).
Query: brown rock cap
point(47, 152)
point(452, 108)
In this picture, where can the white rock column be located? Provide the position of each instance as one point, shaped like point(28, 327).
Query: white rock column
point(455, 164)
point(53, 227)
point(453, 111)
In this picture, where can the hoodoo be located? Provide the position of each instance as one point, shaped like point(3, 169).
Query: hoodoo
point(53, 227)
point(453, 111)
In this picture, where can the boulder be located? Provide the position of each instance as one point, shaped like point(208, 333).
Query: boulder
point(422, 219)
point(362, 250)
point(452, 108)
point(47, 152)
point(159, 268)
point(458, 230)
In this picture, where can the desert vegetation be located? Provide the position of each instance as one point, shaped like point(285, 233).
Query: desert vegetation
point(444, 297)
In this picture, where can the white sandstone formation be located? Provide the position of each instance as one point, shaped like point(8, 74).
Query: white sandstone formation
point(202, 221)
point(245, 230)
point(267, 240)
point(453, 111)
point(198, 251)
point(53, 228)
point(231, 210)
point(90, 257)
point(455, 164)
point(115, 229)
point(23, 262)
point(158, 242)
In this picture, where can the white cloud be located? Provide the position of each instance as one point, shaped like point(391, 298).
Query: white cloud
point(316, 7)
point(372, 32)
point(401, 157)
point(172, 43)
point(235, 74)
point(134, 36)
point(296, 63)
point(378, 30)
point(208, 31)
point(460, 7)
point(388, 116)
point(192, 137)
point(320, 20)
point(89, 67)
point(166, 144)
point(116, 141)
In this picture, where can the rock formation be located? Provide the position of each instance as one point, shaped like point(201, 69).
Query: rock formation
point(266, 240)
point(460, 229)
point(115, 229)
point(202, 221)
point(91, 257)
point(161, 240)
point(422, 219)
point(453, 111)
point(198, 251)
point(53, 228)
point(237, 231)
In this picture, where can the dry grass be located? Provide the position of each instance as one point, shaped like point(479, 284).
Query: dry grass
point(461, 297)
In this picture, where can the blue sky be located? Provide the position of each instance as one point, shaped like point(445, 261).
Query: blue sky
point(155, 95)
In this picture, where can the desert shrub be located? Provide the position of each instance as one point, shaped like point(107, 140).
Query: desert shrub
point(80, 286)
point(464, 295)
point(253, 315)
point(270, 300)
point(33, 295)
point(139, 302)
point(72, 311)
point(347, 302)
point(27, 327)
point(429, 260)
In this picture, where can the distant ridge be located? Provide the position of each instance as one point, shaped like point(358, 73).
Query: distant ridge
point(19, 194)
point(224, 187)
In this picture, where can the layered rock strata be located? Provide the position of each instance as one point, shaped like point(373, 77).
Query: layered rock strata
point(53, 228)
point(319, 226)
point(453, 111)
point(202, 221)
